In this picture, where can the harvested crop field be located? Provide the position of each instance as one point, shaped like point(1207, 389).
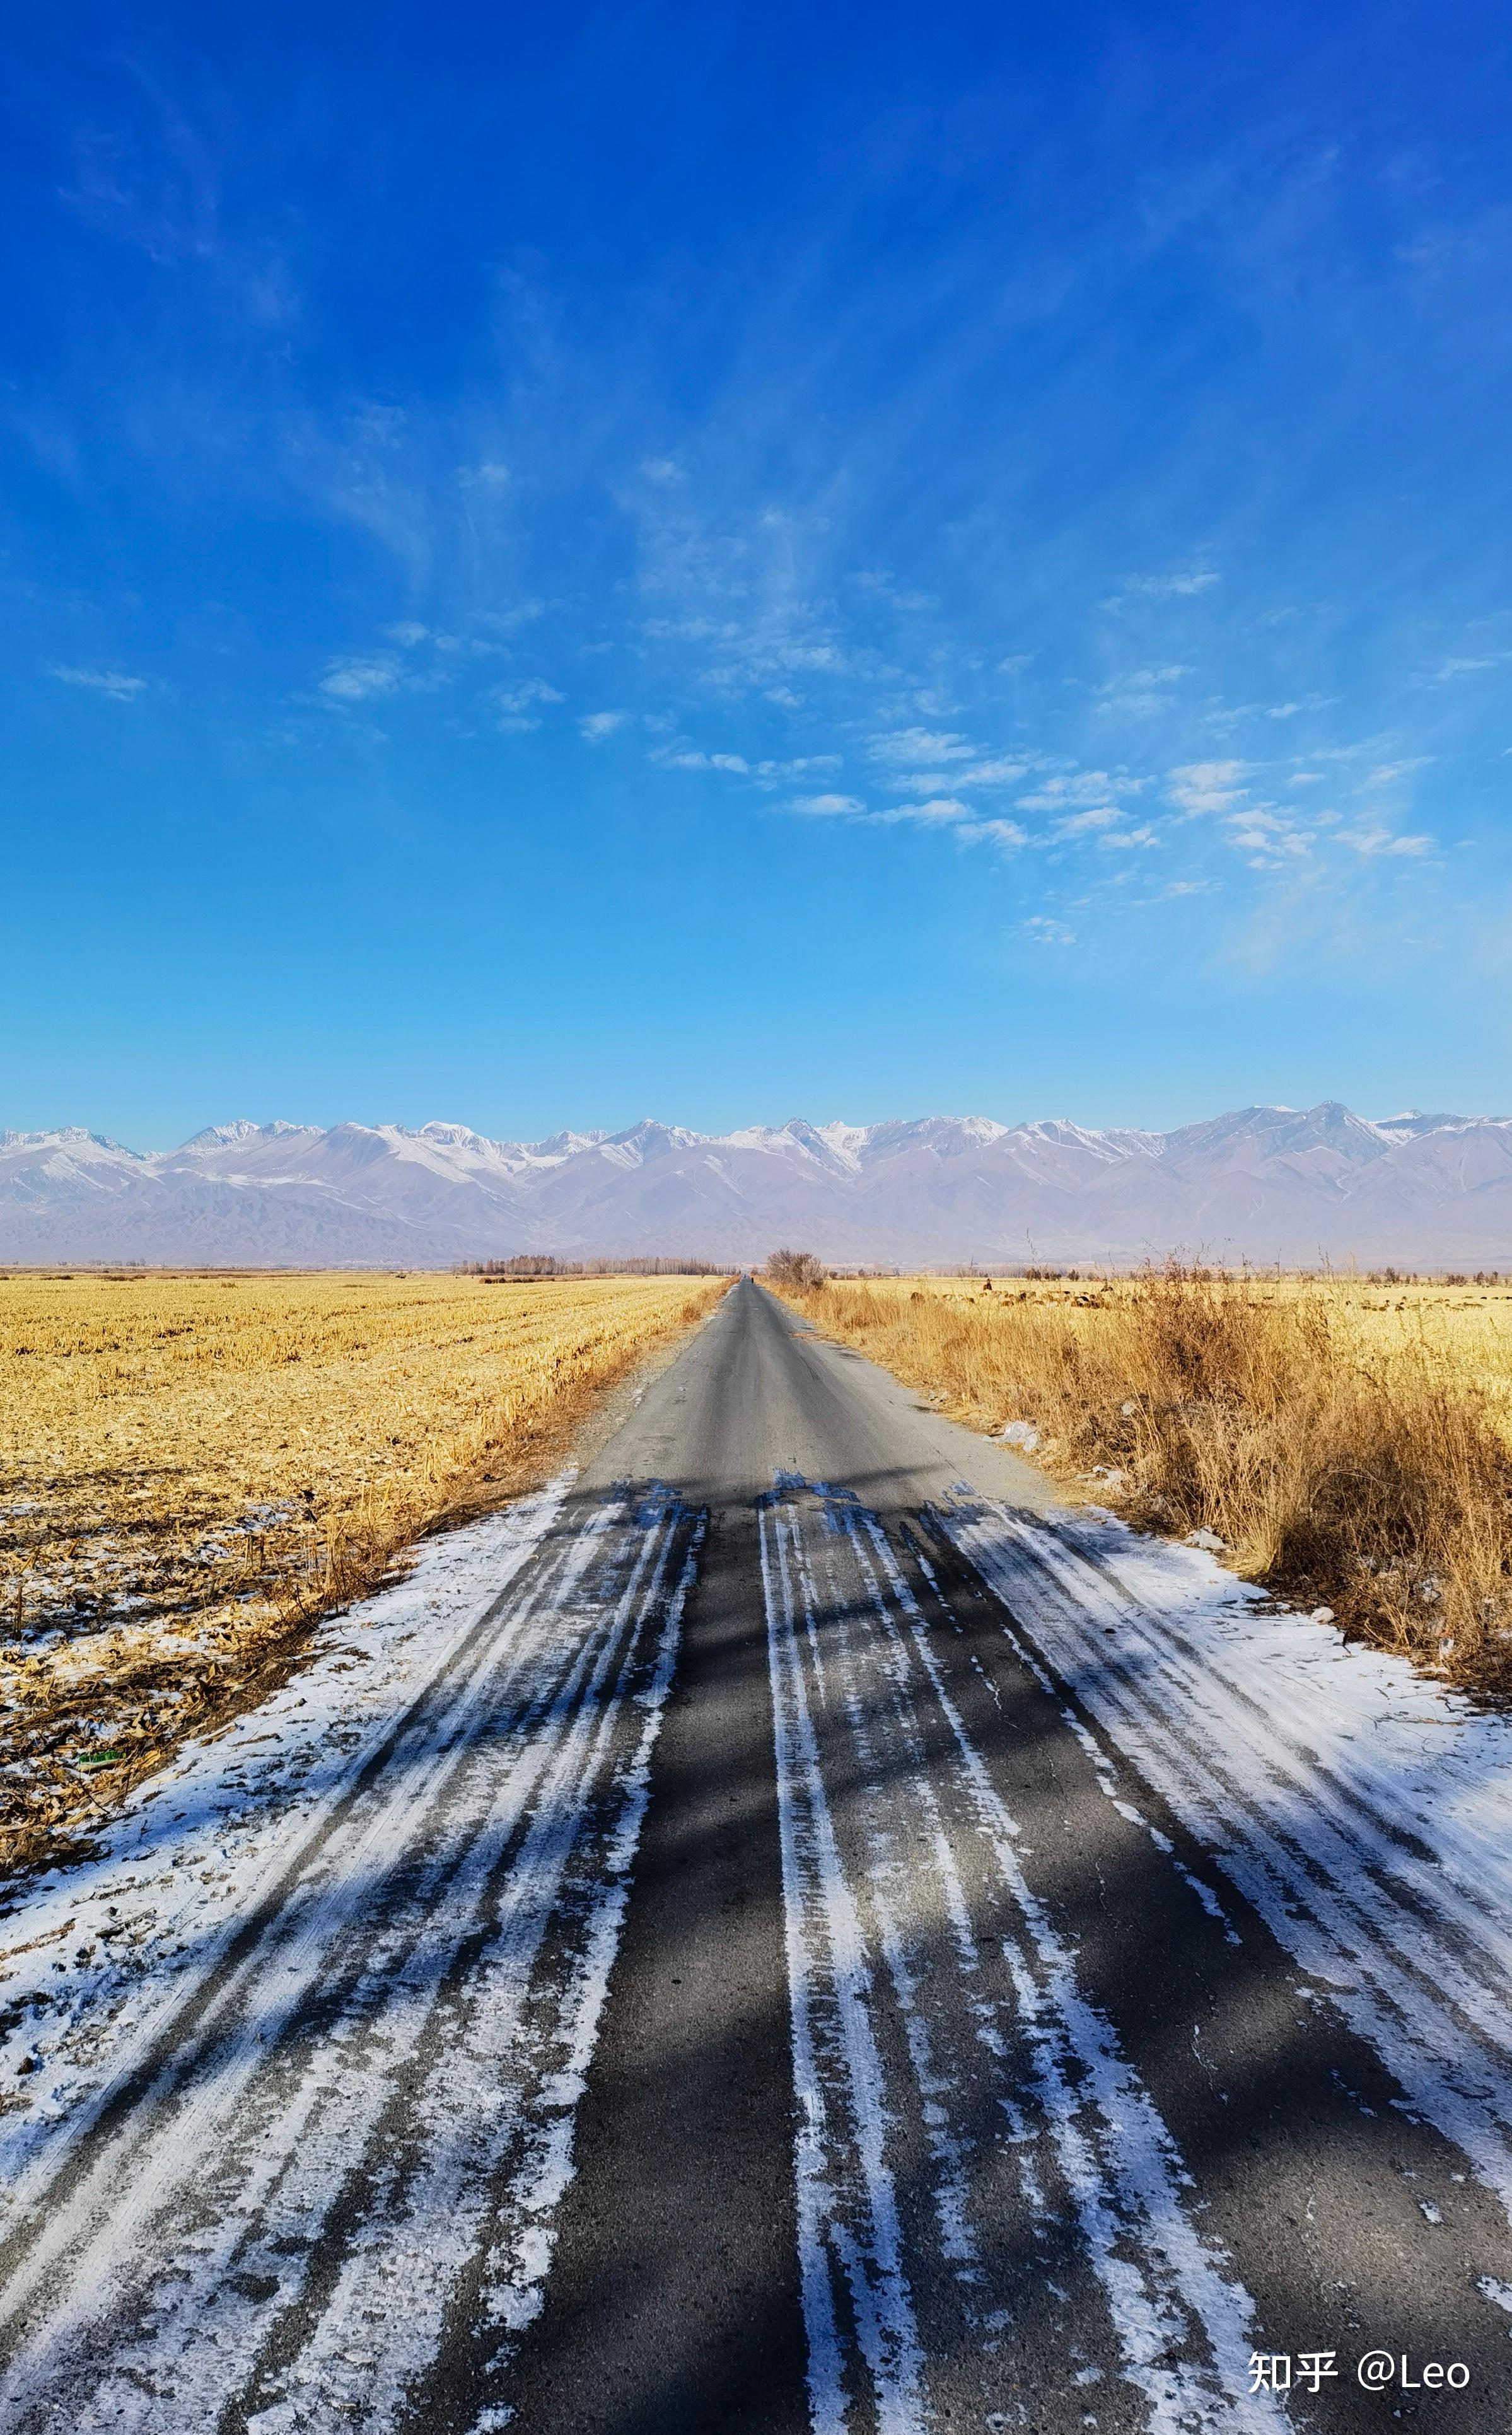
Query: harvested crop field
point(1344, 1441)
point(192, 1467)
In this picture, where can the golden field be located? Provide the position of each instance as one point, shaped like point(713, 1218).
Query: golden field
point(193, 1466)
point(1348, 1443)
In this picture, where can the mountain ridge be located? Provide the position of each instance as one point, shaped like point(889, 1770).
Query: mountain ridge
point(1260, 1183)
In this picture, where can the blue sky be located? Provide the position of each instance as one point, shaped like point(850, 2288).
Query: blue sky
point(732, 562)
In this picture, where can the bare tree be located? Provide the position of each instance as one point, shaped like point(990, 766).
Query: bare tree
point(798, 1270)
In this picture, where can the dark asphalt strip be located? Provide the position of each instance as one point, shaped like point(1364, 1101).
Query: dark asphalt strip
point(673, 2307)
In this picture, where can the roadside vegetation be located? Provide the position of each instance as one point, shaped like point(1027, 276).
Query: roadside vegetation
point(194, 1467)
point(1348, 1443)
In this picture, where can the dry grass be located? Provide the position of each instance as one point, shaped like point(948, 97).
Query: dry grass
point(193, 1467)
point(1348, 1445)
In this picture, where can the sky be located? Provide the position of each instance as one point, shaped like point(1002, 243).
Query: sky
point(727, 563)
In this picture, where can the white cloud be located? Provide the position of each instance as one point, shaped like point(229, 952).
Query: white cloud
point(1084, 787)
point(488, 476)
point(829, 807)
point(883, 586)
point(1306, 778)
point(1268, 836)
point(990, 773)
point(661, 469)
point(509, 621)
point(1209, 786)
point(1141, 837)
point(733, 762)
point(1003, 832)
point(358, 680)
point(913, 748)
point(1101, 816)
point(602, 723)
point(106, 681)
point(797, 768)
point(406, 633)
point(1140, 690)
point(1369, 839)
point(1047, 933)
point(516, 704)
point(940, 807)
point(1181, 586)
point(1449, 670)
point(1391, 770)
point(1239, 712)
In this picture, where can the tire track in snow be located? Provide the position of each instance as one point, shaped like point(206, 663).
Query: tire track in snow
point(1263, 1733)
point(373, 2110)
point(965, 2113)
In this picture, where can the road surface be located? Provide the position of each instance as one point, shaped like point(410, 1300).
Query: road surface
point(747, 1987)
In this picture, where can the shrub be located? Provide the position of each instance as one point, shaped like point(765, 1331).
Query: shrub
point(1376, 1478)
point(794, 1271)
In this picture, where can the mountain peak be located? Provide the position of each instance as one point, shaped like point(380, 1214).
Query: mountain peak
point(1258, 1183)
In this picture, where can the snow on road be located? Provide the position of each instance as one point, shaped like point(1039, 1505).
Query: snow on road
point(307, 2041)
point(1365, 1813)
point(960, 2100)
point(289, 2075)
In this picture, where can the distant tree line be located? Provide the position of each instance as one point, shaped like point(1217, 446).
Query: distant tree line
point(525, 1266)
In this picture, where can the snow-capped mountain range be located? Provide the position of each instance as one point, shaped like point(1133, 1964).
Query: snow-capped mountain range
point(1261, 1184)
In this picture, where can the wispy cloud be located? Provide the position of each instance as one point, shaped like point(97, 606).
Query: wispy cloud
point(1003, 832)
point(1390, 771)
point(770, 772)
point(1449, 671)
point(106, 681)
point(916, 748)
point(977, 773)
point(1207, 786)
point(1236, 713)
point(1047, 932)
point(879, 585)
point(940, 808)
point(601, 724)
point(829, 807)
point(357, 680)
point(1184, 584)
point(1371, 838)
point(1140, 691)
point(516, 703)
point(1270, 838)
point(1087, 788)
point(1099, 815)
point(735, 763)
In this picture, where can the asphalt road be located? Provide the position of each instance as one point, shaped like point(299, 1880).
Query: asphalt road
point(741, 1994)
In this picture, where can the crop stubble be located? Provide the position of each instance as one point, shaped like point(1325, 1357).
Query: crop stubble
point(193, 1467)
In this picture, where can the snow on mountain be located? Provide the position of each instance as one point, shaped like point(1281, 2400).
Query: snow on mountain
point(1257, 1183)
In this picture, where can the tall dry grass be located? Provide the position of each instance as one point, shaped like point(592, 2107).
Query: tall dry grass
point(192, 1468)
point(1366, 1467)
